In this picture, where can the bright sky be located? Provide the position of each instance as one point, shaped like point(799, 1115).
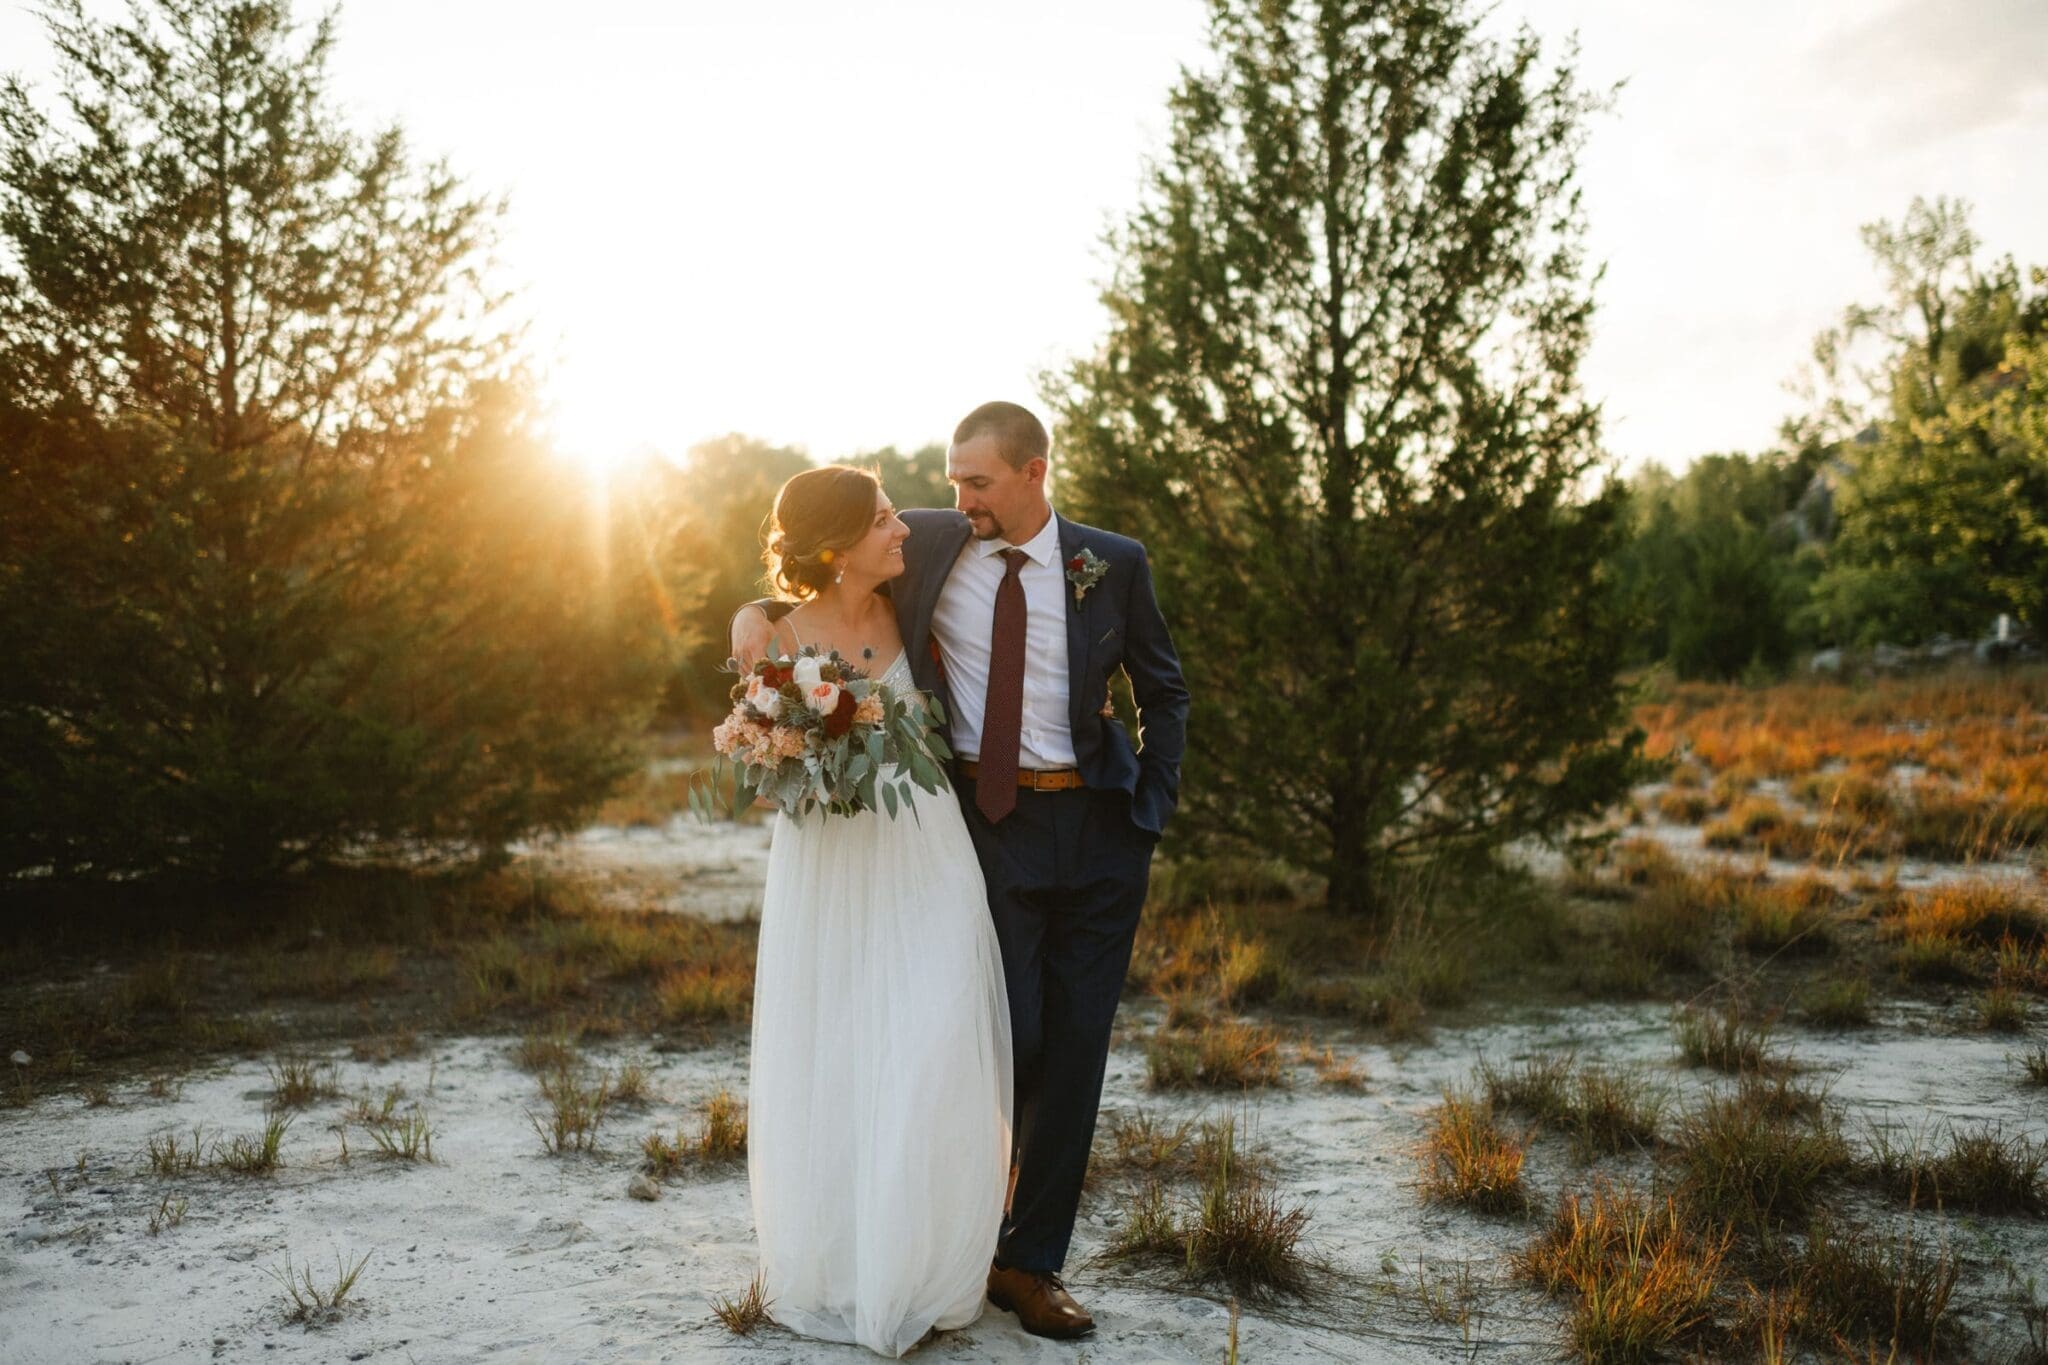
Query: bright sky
point(841, 226)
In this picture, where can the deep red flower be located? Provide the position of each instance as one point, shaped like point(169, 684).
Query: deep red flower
point(1077, 563)
point(841, 719)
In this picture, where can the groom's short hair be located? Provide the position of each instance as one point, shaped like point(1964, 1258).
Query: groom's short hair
point(1019, 436)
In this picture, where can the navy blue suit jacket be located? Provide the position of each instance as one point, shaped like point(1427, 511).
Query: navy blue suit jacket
point(1115, 625)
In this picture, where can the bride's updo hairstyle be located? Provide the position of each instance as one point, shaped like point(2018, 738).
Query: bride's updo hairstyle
point(819, 515)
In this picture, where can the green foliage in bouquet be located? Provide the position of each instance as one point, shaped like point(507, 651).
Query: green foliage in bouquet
point(862, 764)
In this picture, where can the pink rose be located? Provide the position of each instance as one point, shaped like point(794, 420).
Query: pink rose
point(822, 697)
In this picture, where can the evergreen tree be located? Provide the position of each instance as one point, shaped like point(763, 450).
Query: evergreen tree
point(1718, 563)
point(284, 575)
point(1339, 402)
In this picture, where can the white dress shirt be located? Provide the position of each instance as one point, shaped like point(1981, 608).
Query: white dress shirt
point(964, 625)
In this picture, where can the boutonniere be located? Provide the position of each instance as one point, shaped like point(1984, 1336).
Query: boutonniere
point(1084, 571)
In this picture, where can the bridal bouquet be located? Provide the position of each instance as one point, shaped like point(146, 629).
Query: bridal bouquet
point(814, 732)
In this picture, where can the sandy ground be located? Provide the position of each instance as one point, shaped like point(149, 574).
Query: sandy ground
point(498, 1251)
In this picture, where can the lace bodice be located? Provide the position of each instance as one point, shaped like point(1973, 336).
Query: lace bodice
point(897, 674)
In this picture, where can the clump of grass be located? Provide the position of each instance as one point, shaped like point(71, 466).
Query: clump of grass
point(633, 1085)
point(297, 1081)
point(1779, 1096)
point(1935, 958)
point(743, 1315)
point(2034, 1066)
point(1643, 1275)
point(504, 970)
point(1675, 923)
point(1142, 1143)
point(1468, 1160)
point(254, 1156)
point(576, 1106)
point(720, 991)
point(1425, 964)
point(365, 1111)
point(406, 1138)
point(724, 1135)
point(1855, 1285)
point(1781, 920)
point(1684, 806)
point(665, 1155)
point(1726, 1039)
point(1227, 1056)
point(1645, 862)
point(2002, 1010)
point(1982, 1170)
point(1243, 1232)
point(546, 1053)
point(1601, 1110)
point(1839, 1002)
point(1981, 913)
point(1237, 1230)
point(721, 1139)
point(306, 1301)
point(168, 1156)
point(169, 1213)
point(1339, 1073)
point(2021, 966)
point(1743, 1160)
point(1149, 1227)
point(1449, 1299)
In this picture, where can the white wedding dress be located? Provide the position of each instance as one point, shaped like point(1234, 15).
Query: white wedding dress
point(879, 1105)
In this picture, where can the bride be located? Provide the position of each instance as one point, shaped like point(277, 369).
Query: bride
point(879, 1103)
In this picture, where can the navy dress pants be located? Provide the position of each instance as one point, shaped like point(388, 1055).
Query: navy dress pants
point(1066, 873)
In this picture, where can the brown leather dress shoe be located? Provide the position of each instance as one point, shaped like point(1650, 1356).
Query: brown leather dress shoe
point(1041, 1303)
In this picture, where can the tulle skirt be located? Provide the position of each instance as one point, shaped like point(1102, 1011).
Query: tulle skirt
point(879, 1104)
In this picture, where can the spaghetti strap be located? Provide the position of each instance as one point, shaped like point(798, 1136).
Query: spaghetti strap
point(790, 621)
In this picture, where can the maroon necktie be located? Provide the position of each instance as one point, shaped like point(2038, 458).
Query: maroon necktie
point(1002, 720)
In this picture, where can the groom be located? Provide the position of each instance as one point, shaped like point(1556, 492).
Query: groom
point(1015, 618)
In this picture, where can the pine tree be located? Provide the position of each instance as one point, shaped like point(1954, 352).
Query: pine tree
point(1338, 401)
point(284, 574)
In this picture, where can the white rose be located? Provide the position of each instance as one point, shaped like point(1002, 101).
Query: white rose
point(807, 672)
point(765, 699)
point(822, 698)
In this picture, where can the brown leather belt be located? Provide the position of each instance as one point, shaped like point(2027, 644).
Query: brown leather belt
point(1038, 779)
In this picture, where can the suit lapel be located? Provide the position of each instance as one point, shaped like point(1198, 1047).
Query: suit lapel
point(914, 615)
point(1077, 626)
point(945, 554)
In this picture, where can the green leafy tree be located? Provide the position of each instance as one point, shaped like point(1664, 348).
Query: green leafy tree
point(284, 575)
point(1338, 401)
point(1941, 514)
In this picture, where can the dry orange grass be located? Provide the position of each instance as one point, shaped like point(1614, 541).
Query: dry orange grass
point(1982, 742)
point(1467, 1159)
point(1981, 913)
point(1196, 955)
point(1643, 1275)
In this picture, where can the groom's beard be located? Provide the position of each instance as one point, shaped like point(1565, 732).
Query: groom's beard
point(985, 526)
